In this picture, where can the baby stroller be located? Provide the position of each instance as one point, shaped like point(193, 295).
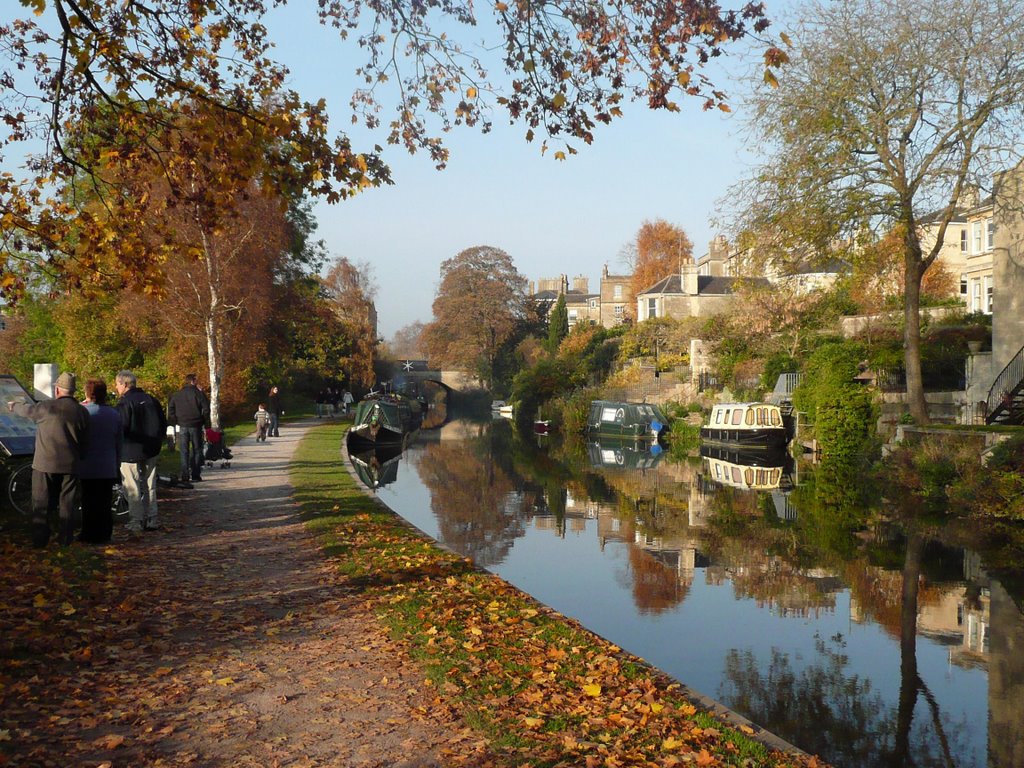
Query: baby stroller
point(216, 451)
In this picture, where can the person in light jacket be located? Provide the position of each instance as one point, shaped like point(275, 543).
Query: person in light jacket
point(144, 427)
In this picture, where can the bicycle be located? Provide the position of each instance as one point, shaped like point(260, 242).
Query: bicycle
point(19, 493)
point(19, 488)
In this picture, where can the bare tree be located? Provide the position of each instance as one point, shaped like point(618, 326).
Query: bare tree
point(889, 112)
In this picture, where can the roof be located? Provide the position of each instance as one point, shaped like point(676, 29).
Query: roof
point(808, 267)
point(571, 297)
point(707, 285)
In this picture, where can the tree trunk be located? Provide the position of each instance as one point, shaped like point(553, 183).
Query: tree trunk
point(216, 365)
point(912, 334)
point(910, 682)
point(214, 359)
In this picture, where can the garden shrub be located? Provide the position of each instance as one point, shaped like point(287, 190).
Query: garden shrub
point(828, 374)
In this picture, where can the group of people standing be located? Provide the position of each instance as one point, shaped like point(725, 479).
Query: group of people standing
point(83, 449)
point(331, 401)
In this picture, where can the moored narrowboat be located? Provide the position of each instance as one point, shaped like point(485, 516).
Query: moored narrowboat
point(750, 425)
point(383, 418)
point(639, 421)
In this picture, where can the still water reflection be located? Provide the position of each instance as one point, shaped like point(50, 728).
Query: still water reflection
point(754, 582)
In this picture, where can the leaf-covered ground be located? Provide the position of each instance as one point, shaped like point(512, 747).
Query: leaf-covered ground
point(240, 636)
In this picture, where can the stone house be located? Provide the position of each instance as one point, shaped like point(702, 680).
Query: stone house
point(996, 378)
point(967, 251)
point(581, 305)
point(616, 299)
point(697, 290)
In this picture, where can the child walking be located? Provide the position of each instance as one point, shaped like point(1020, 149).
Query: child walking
point(262, 417)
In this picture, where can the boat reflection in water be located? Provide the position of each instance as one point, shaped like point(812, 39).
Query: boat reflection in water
point(771, 471)
point(748, 470)
point(624, 453)
point(377, 467)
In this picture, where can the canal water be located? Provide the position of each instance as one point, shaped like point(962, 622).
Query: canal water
point(899, 645)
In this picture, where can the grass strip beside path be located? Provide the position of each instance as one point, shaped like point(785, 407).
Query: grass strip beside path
point(540, 688)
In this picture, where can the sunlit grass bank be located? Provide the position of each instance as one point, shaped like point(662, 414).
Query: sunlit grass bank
point(541, 689)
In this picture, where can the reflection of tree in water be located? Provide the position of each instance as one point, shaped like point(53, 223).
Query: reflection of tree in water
point(479, 511)
point(657, 584)
point(829, 712)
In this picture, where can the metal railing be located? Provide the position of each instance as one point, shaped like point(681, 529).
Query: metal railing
point(784, 386)
point(942, 380)
point(1005, 387)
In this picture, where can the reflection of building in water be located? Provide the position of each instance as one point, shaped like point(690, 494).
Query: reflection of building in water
point(573, 521)
point(954, 614)
point(776, 585)
point(957, 615)
point(679, 554)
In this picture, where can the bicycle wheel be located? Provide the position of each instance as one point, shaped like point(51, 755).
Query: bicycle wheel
point(19, 488)
point(120, 506)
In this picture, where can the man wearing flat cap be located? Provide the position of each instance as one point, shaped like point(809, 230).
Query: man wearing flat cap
point(62, 434)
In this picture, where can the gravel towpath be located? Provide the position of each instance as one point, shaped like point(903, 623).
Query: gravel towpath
point(232, 642)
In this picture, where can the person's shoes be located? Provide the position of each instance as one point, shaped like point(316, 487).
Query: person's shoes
point(153, 526)
point(197, 479)
point(40, 536)
point(133, 529)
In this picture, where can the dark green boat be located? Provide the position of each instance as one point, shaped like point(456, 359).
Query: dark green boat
point(383, 418)
point(639, 421)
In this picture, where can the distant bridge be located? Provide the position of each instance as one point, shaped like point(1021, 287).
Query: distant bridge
point(420, 370)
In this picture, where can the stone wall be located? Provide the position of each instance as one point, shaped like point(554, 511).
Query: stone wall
point(1008, 270)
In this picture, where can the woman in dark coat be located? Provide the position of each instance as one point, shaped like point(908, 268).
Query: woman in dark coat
point(274, 406)
point(101, 467)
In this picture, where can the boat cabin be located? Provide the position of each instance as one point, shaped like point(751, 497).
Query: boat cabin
point(748, 424)
point(640, 421)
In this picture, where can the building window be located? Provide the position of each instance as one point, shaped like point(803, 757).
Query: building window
point(572, 315)
point(593, 303)
point(618, 292)
point(652, 308)
point(963, 240)
point(976, 237)
point(976, 295)
point(988, 294)
point(963, 286)
point(990, 235)
point(619, 310)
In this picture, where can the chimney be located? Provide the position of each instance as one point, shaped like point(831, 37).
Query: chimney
point(718, 253)
point(581, 284)
point(688, 278)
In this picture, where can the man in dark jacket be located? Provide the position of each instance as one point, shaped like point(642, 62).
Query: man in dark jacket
point(145, 429)
point(62, 434)
point(189, 410)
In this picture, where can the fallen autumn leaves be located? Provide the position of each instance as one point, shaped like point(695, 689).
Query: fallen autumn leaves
point(229, 642)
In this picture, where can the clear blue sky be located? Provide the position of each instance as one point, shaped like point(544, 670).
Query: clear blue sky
point(551, 217)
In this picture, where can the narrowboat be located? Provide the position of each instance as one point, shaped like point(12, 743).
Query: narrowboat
point(383, 418)
point(639, 421)
point(761, 426)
